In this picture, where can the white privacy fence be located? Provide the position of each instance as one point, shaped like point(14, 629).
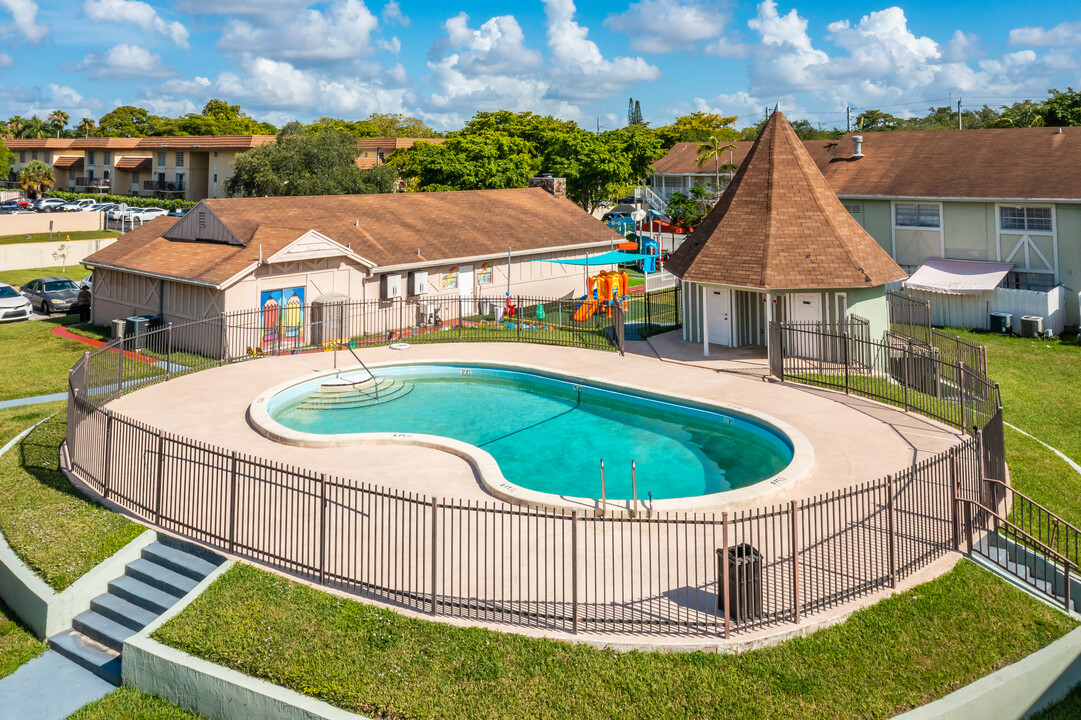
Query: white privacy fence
point(660, 280)
point(974, 311)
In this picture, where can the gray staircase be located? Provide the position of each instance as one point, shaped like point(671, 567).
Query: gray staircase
point(167, 571)
point(348, 396)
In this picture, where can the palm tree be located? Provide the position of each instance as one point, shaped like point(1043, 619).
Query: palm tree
point(35, 127)
point(60, 119)
point(15, 125)
point(713, 149)
point(86, 126)
point(35, 178)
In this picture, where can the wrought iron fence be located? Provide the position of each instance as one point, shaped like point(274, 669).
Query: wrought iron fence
point(910, 318)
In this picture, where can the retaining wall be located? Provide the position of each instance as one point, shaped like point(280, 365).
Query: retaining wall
point(61, 222)
point(23, 256)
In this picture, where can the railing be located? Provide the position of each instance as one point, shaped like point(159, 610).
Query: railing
point(660, 280)
point(910, 318)
point(163, 186)
point(92, 182)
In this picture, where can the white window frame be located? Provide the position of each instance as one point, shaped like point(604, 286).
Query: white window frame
point(1027, 234)
point(894, 227)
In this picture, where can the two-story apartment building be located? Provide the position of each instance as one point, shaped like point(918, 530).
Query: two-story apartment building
point(1000, 195)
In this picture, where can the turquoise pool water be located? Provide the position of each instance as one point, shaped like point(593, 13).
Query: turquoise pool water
point(549, 435)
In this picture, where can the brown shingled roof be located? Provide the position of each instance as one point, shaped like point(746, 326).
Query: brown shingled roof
point(386, 229)
point(68, 162)
point(779, 226)
point(133, 163)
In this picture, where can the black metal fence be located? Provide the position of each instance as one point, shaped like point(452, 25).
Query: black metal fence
point(910, 318)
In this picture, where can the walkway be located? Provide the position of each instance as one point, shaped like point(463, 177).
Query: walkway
point(49, 687)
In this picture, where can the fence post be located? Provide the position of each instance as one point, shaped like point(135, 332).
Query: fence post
point(961, 388)
point(169, 351)
point(892, 530)
point(796, 600)
point(322, 528)
point(649, 309)
point(1066, 577)
point(161, 472)
point(225, 337)
point(906, 355)
point(120, 368)
point(955, 489)
point(845, 341)
point(232, 502)
point(106, 481)
point(86, 376)
point(574, 571)
point(518, 325)
point(724, 577)
point(435, 552)
point(968, 527)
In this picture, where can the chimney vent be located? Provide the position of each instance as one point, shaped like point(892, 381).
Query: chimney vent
point(555, 186)
point(857, 143)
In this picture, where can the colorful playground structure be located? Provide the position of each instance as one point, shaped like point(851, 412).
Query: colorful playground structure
point(605, 289)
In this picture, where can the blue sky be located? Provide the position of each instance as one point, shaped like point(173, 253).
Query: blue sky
point(442, 61)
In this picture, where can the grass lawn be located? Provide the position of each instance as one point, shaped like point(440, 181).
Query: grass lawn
point(131, 704)
point(57, 236)
point(36, 362)
point(17, 644)
point(52, 527)
point(1068, 708)
point(16, 278)
point(902, 652)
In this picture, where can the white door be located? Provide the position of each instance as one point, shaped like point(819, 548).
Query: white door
point(805, 307)
point(465, 281)
point(718, 316)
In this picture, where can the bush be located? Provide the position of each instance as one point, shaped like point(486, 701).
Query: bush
point(127, 199)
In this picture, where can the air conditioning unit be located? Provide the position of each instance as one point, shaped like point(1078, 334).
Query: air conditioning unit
point(1031, 326)
point(418, 282)
point(390, 286)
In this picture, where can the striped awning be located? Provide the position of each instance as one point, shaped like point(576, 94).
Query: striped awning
point(957, 277)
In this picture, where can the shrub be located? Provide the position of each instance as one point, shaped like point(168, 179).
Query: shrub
point(130, 201)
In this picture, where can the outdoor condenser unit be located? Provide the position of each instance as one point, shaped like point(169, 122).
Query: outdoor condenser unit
point(1031, 326)
point(390, 286)
point(418, 282)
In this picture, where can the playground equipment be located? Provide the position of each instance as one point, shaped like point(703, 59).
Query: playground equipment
point(605, 289)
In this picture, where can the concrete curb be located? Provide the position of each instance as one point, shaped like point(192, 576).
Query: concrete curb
point(218, 692)
point(44, 610)
point(1016, 691)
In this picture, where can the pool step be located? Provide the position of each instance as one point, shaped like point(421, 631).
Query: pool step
point(356, 396)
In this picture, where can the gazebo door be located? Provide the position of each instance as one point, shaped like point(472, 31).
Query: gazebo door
point(719, 313)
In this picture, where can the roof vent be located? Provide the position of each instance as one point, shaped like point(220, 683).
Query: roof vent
point(356, 223)
point(857, 143)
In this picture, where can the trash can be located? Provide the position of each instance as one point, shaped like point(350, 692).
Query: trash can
point(744, 582)
point(1001, 322)
point(138, 326)
point(119, 327)
point(484, 306)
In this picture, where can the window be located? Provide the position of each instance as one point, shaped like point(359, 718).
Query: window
point(1025, 218)
point(89, 176)
point(105, 174)
point(215, 177)
point(33, 154)
point(853, 210)
point(180, 181)
point(180, 159)
point(49, 157)
point(1029, 281)
point(90, 157)
point(22, 156)
point(161, 159)
point(135, 177)
point(107, 157)
point(913, 215)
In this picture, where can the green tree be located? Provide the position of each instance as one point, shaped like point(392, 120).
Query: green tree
point(688, 211)
point(217, 118)
point(1062, 108)
point(7, 159)
point(595, 166)
point(535, 129)
point(128, 121)
point(86, 126)
point(14, 126)
point(35, 178)
point(699, 127)
point(358, 129)
point(872, 119)
point(398, 125)
point(304, 163)
point(35, 127)
point(59, 119)
point(713, 150)
point(468, 161)
point(1023, 114)
point(634, 112)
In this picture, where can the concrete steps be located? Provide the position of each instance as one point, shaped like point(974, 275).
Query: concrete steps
point(348, 396)
point(150, 585)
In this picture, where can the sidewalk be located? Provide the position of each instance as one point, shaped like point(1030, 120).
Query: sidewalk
point(49, 687)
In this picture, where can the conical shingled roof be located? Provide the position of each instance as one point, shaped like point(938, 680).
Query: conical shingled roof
point(779, 226)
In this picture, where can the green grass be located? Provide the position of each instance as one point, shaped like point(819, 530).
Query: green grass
point(57, 236)
point(899, 653)
point(126, 703)
point(17, 644)
point(1069, 708)
point(16, 278)
point(35, 361)
point(49, 524)
point(16, 419)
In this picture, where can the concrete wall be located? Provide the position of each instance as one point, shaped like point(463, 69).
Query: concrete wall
point(61, 222)
point(870, 303)
point(36, 255)
point(1068, 219)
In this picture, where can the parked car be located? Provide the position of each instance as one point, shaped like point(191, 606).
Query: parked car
point(78, 205)
point(24, 202)
point(10, 206)
point(114, 213)
point(49, 204)
point(51, 294)
point(88, 281)
point(144, 214)
point(177, 213)
point(13, 306)
point(102, 207)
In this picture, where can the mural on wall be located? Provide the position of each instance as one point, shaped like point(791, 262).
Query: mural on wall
point(449, 279)
point(283, 315)
point(484, 275)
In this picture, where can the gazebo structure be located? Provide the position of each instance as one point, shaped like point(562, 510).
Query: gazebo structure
point(779, 245)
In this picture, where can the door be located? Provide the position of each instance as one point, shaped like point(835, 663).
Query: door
point(805, 307)
point(465, 281)
point(719, 316)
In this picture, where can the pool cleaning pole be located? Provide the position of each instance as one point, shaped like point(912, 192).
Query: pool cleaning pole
point(634, 486)
point(604, 502)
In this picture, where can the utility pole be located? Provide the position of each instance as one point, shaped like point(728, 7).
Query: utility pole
point(959, 113)
point(598, 124)
point(848, 118)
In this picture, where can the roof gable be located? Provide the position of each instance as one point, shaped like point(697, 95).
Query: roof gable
point(312, 245)
point(202, 224)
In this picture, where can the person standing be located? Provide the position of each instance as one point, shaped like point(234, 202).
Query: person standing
point(84, 301)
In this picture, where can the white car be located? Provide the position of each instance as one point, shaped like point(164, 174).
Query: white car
point(13, 306)
point(78, 205)
point(49, 204)
point(144, 214)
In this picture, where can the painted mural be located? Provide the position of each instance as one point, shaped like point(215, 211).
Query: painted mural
point(449, 279)
point(282, 316)
point(484, 274)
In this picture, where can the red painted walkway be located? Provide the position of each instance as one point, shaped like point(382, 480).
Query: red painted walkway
point(61, 331)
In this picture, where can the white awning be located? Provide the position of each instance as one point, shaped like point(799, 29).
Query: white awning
point(957, 277)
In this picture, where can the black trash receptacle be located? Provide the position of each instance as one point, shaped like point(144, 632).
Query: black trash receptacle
point(744, 582)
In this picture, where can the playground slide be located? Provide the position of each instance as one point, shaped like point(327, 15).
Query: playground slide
point(586, 307)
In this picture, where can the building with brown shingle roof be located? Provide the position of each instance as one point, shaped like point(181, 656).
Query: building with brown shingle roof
point(228, 253)
point(778, 244)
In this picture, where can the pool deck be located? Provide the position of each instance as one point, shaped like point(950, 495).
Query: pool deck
point(854, 440)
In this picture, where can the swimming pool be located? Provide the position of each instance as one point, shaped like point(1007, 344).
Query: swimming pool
point(547, 434)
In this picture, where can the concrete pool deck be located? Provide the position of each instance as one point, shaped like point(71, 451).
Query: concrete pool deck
point(854, 439)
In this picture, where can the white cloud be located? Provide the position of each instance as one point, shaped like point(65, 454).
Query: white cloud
point(881, 46)
point(785, 58)
point(962, 47)
point(24, 16)
point(392, 14)
point(125, 62)
point(1067, 34)
point(5, 61)
point(139, 14)
point(661, 26)
point(579, 70)
point(340, 32)
point(265, 10)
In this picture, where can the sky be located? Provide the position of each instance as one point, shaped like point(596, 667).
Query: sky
point(443, 61)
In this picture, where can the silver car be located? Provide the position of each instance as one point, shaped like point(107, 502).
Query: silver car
point(51, 294)
point(13, 306)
